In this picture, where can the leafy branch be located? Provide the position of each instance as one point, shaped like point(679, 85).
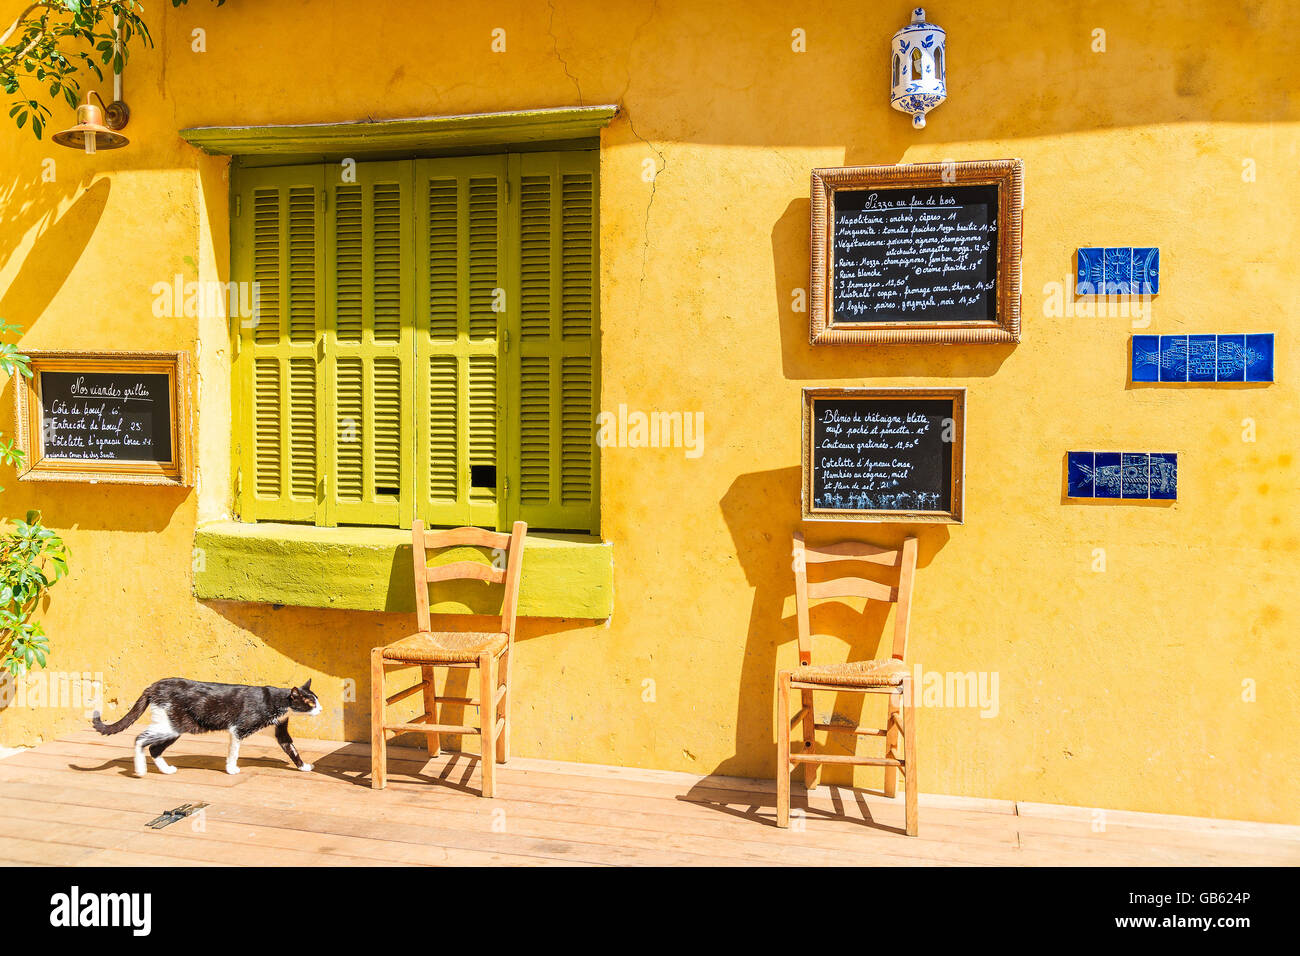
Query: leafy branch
point(32, 557)
point(53, 44)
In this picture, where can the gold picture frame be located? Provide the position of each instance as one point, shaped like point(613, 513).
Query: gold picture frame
point(30, 430)
point(1006, 174)
point(954, 514)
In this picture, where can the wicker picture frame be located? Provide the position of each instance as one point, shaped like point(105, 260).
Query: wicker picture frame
point(29, 411)
point(1006, 174)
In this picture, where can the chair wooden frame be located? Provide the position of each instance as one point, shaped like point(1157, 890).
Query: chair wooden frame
point(901, 712)
point(493, 665)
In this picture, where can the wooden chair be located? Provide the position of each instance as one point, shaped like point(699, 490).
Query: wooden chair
point(887, 676)
point(488, 651)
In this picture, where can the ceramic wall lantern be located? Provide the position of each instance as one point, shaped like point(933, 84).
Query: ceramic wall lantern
point(919, 68)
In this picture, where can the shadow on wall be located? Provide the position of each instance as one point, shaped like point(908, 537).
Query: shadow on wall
point(58, 246)
point(338, 643)
point(761, 510)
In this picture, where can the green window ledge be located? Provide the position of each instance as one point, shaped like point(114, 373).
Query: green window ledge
point(369, 569)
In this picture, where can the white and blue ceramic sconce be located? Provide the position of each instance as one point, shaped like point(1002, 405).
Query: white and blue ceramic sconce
point(918, 68)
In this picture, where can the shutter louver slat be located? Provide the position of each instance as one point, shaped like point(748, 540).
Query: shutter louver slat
point(534, 257)
point(442, 258)
point(575, 431)
point(576, 279)
point(443, 463)
point(483, 242)
point(387, 453)
point(302, 264)
point(266, 427)
point(482, 414)
point(534, 430)
point(348, 264)
point(302, 428)
point(348, 459)
point(388, 262)
point(266, 264)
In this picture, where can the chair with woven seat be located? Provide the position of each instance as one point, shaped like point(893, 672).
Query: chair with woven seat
point(888, 676)
point(487, 651)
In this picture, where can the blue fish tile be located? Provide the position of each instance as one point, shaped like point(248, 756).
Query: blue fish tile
point(1118, 270)
point(1232, 358)
point(1145, 359)
point(1146, 271)
point(1164, 475)
point(1173, 358)
point(1091, 275)
point(1106, 474)
point(1202, 358)
point(1079, 474)
point(1259, 357)
point(1134, 475)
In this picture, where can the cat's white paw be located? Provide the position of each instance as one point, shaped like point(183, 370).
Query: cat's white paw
point(141, 769)
point(166, 768)
point(232, 768)
point(306, 768)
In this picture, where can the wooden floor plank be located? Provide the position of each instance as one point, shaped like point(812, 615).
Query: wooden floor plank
point(79, 794)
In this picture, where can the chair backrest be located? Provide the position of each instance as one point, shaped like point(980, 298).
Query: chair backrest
point(904, 559)
point(512, 544)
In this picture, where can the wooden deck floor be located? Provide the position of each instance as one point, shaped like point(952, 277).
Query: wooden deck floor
point(75, 801)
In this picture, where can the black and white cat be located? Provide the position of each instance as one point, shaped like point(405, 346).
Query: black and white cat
point(179, 706)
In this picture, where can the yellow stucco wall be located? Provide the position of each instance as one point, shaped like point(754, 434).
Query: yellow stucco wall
point(1121, 688)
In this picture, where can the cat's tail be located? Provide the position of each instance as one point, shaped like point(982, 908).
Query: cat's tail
point(131, 717)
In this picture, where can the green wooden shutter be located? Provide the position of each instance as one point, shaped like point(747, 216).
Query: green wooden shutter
point(555, 473)
point(461, 259)
point(279, 245)
point(367, 346)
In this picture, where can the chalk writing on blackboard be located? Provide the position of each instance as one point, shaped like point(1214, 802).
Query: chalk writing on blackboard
point(105, 416)
point(915, 254)
point(881, 454)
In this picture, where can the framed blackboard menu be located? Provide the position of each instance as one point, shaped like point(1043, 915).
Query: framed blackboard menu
point(884, 454)
point(119, 417)
point(923, 253)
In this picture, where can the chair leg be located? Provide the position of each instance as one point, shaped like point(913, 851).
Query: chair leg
point(487, 718)
point(378, 747)
point(783, 751)
point(503, 742)
point(809, 740)
point(431, 709)
point(909, 757)
point(891, 744)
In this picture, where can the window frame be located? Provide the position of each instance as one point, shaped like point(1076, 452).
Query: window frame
point(509, 346)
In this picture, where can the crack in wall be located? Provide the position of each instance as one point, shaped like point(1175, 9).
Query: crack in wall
point(555, 46)
point(654, 188)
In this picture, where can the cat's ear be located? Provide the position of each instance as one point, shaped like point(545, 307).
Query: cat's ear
point(294, 693)
point(307, 686)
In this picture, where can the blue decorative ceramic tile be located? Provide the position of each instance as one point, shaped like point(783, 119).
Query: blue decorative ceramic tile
point(1173, 358)
point(1091, 274)
point(1146, 358)
point(1259, 357)
point(1106, 474)
point(1079, 483)
point(1232, 359)
point(1118, 270)
point(1146, 271)
point(1202, 358)
point(1164, 475)
point(1134, 470)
